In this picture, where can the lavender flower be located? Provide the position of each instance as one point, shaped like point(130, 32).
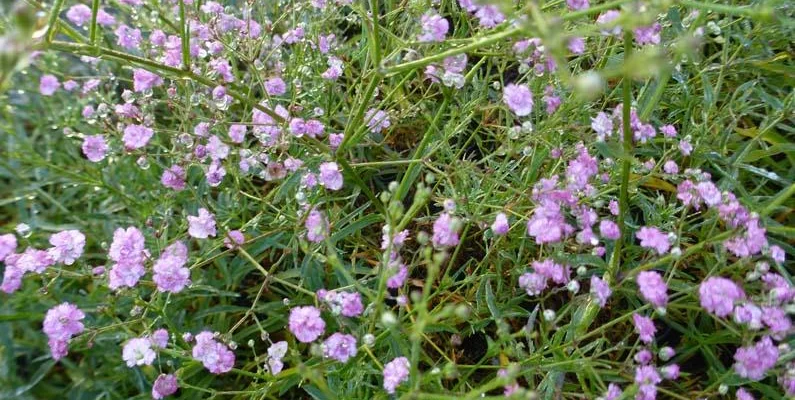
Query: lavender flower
point(67, 246)
point(170, 273)
point(138, 351)
point(95, 148)
point(340, 347)
point(305, 323)
point(330, 176)
point(215, 356)
point(644, 327)
point(500, 225)
point(165, 385)
point(653, 238)
point(202, 226)
point(653, 288)
point(316, 227)
point(519, 99)
point(395, 373)
point(600, 290)
point(48, 84)
point(434, 27)
point(445, 233)
point(754, 361)
point(61, 323)
point(718, 295)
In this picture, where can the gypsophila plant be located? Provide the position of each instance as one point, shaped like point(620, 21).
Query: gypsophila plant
point(381, 199)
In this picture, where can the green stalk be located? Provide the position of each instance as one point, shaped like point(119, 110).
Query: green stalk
point(53, 20)
point(376, 46)
point(92, 31)
point(474, 45)
point(185, 39)
point(583, 320)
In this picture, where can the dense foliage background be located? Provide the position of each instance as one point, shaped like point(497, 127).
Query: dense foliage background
point(448, 155)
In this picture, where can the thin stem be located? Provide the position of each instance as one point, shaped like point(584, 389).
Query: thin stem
point(185, 39)
point(53, 20)
point(623, 199)
point(376, 46)
point(92, 31)
point(475, 44)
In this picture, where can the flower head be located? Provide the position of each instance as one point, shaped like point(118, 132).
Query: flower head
point(653, 288)
point(165, 385)
point(138, 351)
point(718, 295)
point(215, 356)
point(61, 323)
point(305, 323)
point(519, 99)
point(754, 361)
point(330, 176)
point(340, 347)
point(95, 148)
point(395, 373)
point(202, 225)
point(434, 27)
point(67, 246)
point(644, 327)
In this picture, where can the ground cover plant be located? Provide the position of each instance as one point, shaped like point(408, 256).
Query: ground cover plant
point(450, 199)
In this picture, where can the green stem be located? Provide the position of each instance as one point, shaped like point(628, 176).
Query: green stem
point(721, 8)
point(376, 47)
point(623, 199)
point(474, 45)
point(92, 31)
point(87, 50)
point(53, 20)
point(185, 39)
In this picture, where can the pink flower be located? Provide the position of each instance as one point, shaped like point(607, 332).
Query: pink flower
point(398, 278)
point(340, 347)
point(555, 272)
point(276, 353)
point(607, 21)
point(128, 275)
point(576, 45)
point(533, 283)
point(159, 338)
point(316, 227)
point(170, 273)
point(275, 86)
point(173, 178)
point(305, 323)
point(609, 229)
point(718, 295)
point(127, 37)
point(644, 327)
point(600, 290)
point(48, 84)
point(237, 133)
point(376, 120)
point(500, 225)
point(61, 323)
point(444, 231)
point(127, 246)
point(742, 394)
point(138, 351)
point(215, 356)
point(653, 238)
point(434, 27)
point(79, 14)
point(67, 246)
point(234, 239)
point(519, 99)
point(489, 16)
point(8, 244)
point(144, 80)
point(395, 373)
point(670, 167)
point(136, 136)
point(648, 34)
point(753, 362)
point(165, 385)
point(95, 148)
point(330, 176)
point(578, 4)
point(201, 226)
point(653, 288)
